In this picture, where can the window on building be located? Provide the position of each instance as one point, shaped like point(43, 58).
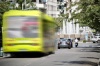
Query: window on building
point(59, 6)
point(70, 10)
point(44, 1)
point(65, 4)
point(40, 1)
point(57, 0)
point(51, 14)
point(54, 8)
point(33, 0)
point(60, 0)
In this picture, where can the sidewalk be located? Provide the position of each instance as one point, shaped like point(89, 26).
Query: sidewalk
point(83, 42)
point(1, 57)
point(87, 44)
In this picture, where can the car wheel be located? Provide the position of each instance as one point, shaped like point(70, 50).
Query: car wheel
point(69, 47)
point(58, 47)
point(93, 42)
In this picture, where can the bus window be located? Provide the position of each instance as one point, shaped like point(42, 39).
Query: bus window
point(22, 26)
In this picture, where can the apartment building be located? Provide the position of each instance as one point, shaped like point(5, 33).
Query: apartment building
point(73, 31)
point(52, 8)
point(69, 29)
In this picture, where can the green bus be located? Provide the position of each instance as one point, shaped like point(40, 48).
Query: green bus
point(28, 31)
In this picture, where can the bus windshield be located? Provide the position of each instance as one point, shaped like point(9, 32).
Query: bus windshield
point(22, 27)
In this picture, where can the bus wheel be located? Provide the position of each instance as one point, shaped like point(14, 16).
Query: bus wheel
point(52, 52)
point(12, 55)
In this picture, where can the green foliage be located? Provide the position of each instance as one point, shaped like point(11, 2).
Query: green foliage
point(7, 5)
point(60, 19)
point(4, 6)
point(89, 14)
point(84, 41)
point(30, 5)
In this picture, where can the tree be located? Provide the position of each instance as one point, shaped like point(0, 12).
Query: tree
point(89, 13)
point(59, 20)
point(11, 5)
point(25, 5)
point(4, 6)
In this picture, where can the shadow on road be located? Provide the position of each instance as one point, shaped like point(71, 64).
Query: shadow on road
point(76, 62)
point(91, 58)
point(84, 62)
point(33, 55)
point(94, 49)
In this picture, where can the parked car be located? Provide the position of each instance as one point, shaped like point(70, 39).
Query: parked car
point(95, 39)
point(64, 43)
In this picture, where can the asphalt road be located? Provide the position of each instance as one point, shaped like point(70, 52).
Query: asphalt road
point(87, 54)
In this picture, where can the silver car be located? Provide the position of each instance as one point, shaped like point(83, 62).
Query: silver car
point(64, 43)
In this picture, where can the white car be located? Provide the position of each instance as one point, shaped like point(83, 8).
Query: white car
point(95, 39)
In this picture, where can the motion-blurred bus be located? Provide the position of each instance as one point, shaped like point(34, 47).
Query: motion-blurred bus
point(28, 31)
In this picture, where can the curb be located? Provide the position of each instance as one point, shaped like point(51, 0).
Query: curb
point(99, 62)
point(1, 57)
point(82, 42)
point(85, 42)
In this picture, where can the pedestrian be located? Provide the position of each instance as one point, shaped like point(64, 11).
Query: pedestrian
point(76, 42)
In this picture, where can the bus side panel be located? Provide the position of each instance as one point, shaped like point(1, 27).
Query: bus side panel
point(48, 34)
point(18, 45)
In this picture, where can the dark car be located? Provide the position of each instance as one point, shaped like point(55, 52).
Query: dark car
point(64, 43)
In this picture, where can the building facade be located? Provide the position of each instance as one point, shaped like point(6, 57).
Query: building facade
point(57, 7)
point(69, 29)
point(52, 8)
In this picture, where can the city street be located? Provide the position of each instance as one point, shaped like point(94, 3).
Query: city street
point(30, 29)
point(86, 54)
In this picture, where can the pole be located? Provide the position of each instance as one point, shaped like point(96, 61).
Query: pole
point(22, 6)
point(25, 3)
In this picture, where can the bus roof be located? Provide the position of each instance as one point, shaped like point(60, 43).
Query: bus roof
point(28, 13)
point(22, 13)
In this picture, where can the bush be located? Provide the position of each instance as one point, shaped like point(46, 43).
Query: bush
point(84, 41)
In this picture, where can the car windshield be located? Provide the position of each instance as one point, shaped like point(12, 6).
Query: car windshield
point(63, 39)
